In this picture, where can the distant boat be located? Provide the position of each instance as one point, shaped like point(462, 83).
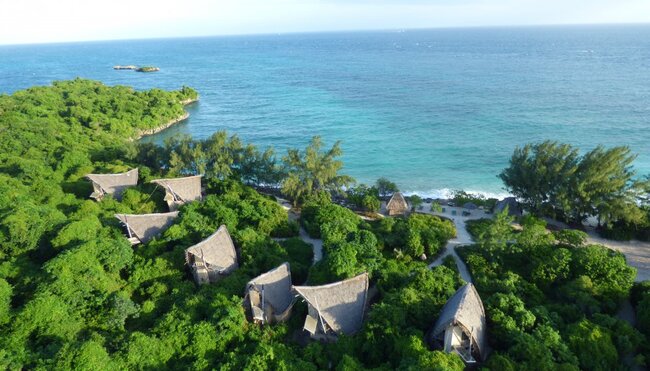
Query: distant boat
point(125, 67)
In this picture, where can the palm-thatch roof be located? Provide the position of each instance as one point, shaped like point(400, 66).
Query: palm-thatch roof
point(465, 309)
point(470, 206)
point(340, 305)
point(397, 204)
point(213, 257)
point(512, 205)
point(180, 190)
point(113, 184)
point(143, 227)
point(270, 295)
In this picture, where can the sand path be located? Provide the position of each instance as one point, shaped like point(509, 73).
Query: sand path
point(462, 235)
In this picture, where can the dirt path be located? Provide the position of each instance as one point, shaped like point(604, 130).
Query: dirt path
point(316, 243)
point(462, 238)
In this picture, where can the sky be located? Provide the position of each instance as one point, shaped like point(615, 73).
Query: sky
point(43, 21)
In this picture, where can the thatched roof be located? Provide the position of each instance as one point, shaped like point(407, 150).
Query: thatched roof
point(277, 287)
point(114, 184)
point(470, 206)
point(181, 190)
point(341, 304)
point(146, 226)
point(397, 203)
point(217, 252)
point(511, 203)
point(465, 308)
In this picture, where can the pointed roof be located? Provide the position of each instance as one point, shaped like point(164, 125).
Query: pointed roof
point(115, 184)
point(277, 287)
point(147, 226)
point(183, 189)
point(340, 304)
point(465, 308)
point(217, 250)
point(511, 203)
point(397, 202)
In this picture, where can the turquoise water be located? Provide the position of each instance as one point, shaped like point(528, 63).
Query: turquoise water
point(432, 110)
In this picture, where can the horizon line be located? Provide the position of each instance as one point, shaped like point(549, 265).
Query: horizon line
point(404, 29)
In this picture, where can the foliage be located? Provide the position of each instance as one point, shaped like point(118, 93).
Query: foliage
point(550, 298)
point(415, 201)
point(552, 180)
point(415, 235)
point(385, 188)
point(313, 170)
point(460, 198)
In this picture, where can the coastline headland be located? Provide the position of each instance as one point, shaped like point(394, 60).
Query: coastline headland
point(183, 117)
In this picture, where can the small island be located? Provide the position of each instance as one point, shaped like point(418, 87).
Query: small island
point(136, 68)
point(148, 69)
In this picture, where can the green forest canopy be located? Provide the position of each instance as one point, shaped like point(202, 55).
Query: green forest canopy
point(75, 294)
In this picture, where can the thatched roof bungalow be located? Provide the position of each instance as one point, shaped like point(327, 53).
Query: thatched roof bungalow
point(336, 308)
point(397, 205)
point(113, 184)
point(461, 327)
point(212, 258)
point(269, 296)
point(512, 205)
point(143, 227)
point(180, 190)
point(470, 206)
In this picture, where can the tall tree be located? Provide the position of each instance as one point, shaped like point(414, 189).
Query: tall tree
point(313, 170)
point(538, 175)
point(604, 186)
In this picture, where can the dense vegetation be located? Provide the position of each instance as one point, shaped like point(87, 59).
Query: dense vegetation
point(551, 300)
point(75, 295)
point(552, 179)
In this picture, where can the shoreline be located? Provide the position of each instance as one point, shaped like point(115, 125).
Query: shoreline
point(156, 130)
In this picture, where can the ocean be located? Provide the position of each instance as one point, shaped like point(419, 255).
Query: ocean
point(433, 110)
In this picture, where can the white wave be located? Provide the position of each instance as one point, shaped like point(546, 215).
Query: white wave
point(446, 193)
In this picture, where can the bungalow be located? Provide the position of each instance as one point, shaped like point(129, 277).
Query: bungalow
point(212, 258)
point(461, 327)
point(180, 190)
point(113, 184)
point(335, 309)
point(143, 227)
point(269, 296)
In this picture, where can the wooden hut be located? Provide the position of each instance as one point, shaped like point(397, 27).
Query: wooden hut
point(397, 205)
point(461, 327)
point(269, 296)
point(212, 258)
point(180, 190)
point(113, 184)
point(143, 227)
point(510, 203)
point(335, 309)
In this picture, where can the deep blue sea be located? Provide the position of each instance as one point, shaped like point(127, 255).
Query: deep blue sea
point(432, 110)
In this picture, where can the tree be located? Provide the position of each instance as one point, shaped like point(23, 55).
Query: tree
point(593, 345)
point(385, 187)
point(604, 186)
point(313, 170)
point(371, 203)
point(538, 174)
point(415, 201)
point(494, 238)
